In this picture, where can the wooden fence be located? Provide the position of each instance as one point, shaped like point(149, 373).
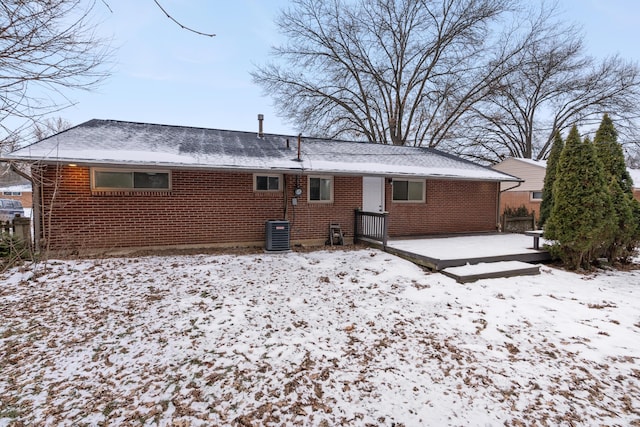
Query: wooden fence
point(518, 224)
point(371, 225)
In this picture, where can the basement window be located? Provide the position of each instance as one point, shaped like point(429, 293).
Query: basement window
point(320, 189)
point(267, 182)
point(12, 193)
point(409, 191)
point(118, 179)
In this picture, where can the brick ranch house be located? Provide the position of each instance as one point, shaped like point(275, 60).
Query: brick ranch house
point(105, 185)
point(635, 177)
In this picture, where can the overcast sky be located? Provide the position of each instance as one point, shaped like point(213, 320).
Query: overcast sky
point(164, 74)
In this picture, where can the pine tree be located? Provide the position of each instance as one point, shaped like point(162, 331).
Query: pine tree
point(609, 151)
point(611, 155)
point(547, 190)
point(580, 221)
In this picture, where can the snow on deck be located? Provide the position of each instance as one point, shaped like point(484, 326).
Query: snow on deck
point(490, 270)
point(476, 246)
point(442, 252)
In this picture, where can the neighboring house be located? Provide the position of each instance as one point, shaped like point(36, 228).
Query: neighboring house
point(14, 186)
point(528, 192)
point(110, 184)
point(635, 177)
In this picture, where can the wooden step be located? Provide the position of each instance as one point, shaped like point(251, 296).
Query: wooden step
point(491, 270)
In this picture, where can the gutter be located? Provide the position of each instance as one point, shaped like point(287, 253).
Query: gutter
point(518, 184)
point(298, 167)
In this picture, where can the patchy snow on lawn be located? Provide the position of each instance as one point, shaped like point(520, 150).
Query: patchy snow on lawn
point(322, 339)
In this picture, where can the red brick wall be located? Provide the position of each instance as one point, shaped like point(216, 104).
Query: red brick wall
point(451, 207)
point(202, 208)
point(205, 208)
point(312, 220)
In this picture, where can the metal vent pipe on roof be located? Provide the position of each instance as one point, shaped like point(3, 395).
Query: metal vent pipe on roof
point(260, 131)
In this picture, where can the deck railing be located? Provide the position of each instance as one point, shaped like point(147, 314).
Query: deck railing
point(371, 225)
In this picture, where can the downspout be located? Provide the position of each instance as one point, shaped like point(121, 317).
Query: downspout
point(286, 198)
point(297, 185)
point(36, 212)
point(284, 189)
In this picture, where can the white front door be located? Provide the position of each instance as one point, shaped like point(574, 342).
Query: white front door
point(372, 194)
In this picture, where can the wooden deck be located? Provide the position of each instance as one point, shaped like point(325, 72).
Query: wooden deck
point(438, 253)
point(492, 270)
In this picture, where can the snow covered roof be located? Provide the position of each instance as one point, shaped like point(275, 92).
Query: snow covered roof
point(540, 163)
point(110, 142)
point(24, 188)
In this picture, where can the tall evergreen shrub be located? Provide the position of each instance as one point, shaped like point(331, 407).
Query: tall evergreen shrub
point(547, 190)
point(580, 221)
point(624, 236)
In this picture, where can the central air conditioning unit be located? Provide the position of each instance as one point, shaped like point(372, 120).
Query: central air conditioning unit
point(277, 236)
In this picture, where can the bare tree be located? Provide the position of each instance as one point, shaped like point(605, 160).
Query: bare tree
point(46, 48)
point(551, 86)
point(178, 23)
point(390, 71)
point(50, 126)
point(481, 78)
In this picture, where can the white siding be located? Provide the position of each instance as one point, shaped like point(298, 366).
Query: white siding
point(531, 172)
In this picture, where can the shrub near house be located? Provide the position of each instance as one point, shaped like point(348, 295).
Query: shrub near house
point(518, 220)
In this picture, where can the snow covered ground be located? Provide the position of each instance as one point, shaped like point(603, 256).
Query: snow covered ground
point(323, 338)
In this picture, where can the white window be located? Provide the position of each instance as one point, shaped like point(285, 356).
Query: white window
point(121, 179)
point(320, 189)
point(536, 195)
point(267, 182)
point(408, 191)
point(12, 193)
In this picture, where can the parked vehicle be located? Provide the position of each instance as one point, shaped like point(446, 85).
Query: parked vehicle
point(9, 208)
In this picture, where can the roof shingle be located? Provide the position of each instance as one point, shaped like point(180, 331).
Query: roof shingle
point(109, 142)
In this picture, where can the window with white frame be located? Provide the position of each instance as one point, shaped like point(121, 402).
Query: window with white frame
point(536, 195)
point(320, 189)
point(12, 193)
point(408, 191)
point(263, 182)
point(103, 179)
